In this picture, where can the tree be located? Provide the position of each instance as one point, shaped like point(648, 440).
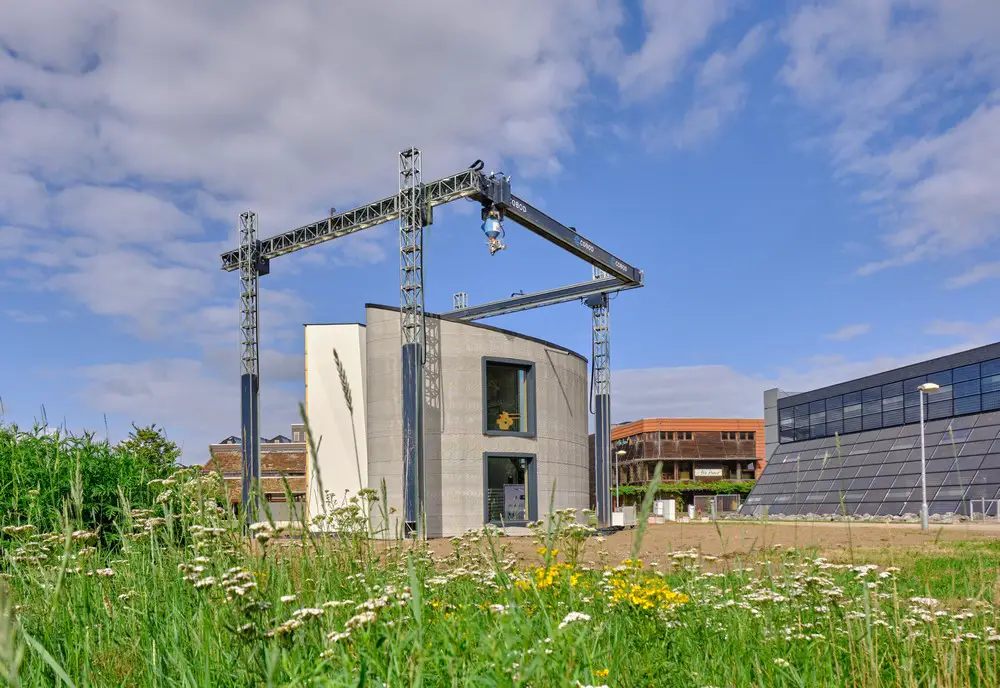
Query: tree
point(151, 446)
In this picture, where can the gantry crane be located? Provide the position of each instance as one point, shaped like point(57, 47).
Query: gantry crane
point(413, 207)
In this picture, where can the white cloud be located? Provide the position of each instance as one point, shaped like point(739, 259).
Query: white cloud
point(196, 405)
point(974, 275)
point(25, 318)
point(720, 90)
point(673, 31)
point(897, 80)
point(849, 332)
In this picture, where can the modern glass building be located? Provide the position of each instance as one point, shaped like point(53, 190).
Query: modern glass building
point(854, 447)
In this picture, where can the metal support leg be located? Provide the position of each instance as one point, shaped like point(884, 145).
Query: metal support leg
point(600, 307)
point(251, 268)
point(412, 219)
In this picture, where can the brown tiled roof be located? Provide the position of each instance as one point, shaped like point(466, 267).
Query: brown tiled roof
point(268, 486)
point(286, 460)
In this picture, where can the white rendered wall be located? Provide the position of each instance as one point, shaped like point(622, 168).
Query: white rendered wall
point(342, 459)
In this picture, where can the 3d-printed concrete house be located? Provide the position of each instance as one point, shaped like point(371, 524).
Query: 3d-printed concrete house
point(505, 420)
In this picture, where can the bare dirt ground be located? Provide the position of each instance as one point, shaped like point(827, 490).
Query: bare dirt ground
point(742, 540)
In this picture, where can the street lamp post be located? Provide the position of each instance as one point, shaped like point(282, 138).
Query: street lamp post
point(618, 455)
point(924, 389)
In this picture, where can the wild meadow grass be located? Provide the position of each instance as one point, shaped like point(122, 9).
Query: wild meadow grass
point(180, 596)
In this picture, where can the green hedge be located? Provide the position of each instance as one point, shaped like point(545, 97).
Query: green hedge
point(685, 490)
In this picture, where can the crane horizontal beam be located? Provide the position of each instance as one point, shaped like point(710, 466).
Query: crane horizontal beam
point(465, 183)
point(549, 297)
point(544, 226)
point(468, 183)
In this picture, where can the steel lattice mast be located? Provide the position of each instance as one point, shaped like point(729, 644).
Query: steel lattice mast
point(411, 314)
point(250, 270)
point(601, 310)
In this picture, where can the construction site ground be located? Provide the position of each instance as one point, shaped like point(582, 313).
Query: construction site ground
point(735, 541)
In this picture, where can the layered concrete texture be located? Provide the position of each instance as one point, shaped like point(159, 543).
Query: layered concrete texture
point(335, 408)
point(453, 420)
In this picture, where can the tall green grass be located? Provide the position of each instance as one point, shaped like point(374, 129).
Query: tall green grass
point(183, 598)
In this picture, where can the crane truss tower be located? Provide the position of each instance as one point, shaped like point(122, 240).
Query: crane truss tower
point(412, 206)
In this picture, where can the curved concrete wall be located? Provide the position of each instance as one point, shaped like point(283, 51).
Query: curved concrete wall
point(453, 420)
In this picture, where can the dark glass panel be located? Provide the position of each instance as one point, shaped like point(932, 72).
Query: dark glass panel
point(817, 430)
point(906, 480)
point(905, 442)
point(861, 448)
point(848, 472)
point(889, 433)
point(943, 378)
point(982, 491)
point(940, 465)
point(871, 394)
point(990, 461)
point(969, 372)
point(980, 433)
point(991, 401)
point(801, 434)
point(892, 389)
point(874, 495)
point(861, 483)
point(834, 428)
point(888, 509)
point(912, 414)
point(939, 409)
point(801, 410)
point(883, 445)
point(894, 417)
point(990, 383)
point(913, 383)
point(967, 464)
point(834, 403)
point(852, 424)
point(867, 508)
point(956, 436)
point(833, 415)
point(870, 407)
point(896, 494)
point(989, 476)
point(897, 455)
point(802, 421)
point(990, 367)
point(967, 388)
point(786, 436)
point(872, 422)
point(890, 469)
point(883, 481)
point(892, 403)
point(970, 448)
point(939, 507)
point(868, 470)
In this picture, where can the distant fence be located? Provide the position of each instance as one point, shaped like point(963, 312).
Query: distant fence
point(716, 505)
point(984, 509)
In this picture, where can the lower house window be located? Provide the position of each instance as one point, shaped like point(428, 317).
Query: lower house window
point(508, 397)
point(509, 488)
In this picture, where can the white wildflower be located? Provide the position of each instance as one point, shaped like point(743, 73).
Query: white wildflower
point(288, 598)
point(573, 617)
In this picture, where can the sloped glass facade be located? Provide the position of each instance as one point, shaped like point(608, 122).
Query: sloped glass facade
point(854, 448)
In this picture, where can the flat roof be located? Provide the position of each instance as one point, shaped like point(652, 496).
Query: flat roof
point(934, 365)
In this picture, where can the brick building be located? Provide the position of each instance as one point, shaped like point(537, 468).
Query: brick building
point(691, 449)
point(280, 458)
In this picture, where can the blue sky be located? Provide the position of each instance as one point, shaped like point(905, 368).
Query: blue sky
point(811, 191)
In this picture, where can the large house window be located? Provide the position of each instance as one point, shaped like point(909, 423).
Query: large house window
point(509, 494)
point(508, 397)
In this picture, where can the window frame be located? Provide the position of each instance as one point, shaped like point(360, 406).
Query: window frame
point(530, 490)
point(529, 383)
